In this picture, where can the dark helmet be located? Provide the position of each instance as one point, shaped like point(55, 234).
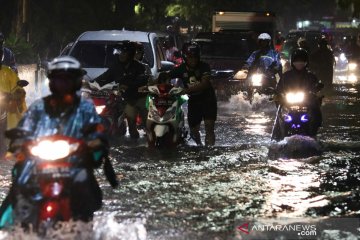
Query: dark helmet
point(125, 46)
point(66, 67)
point(190, 49)
point(323, 41)
point(299, 54)
point(139, 47)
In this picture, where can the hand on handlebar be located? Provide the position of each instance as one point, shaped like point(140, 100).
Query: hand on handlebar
point(143, 89)
point(123, 88)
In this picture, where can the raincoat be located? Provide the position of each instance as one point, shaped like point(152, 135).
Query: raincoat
point(70, 122)
point(264, 60)
point(16, 108)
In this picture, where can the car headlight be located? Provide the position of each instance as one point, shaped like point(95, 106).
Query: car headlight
point(295, 97)
point(256, 80)
point(352, 66)
point(52, 150)
point(342, 57)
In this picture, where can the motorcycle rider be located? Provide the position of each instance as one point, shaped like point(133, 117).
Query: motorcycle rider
point(64, 112)
point(202, 103)
point(13, 103)
point(299, 77)
point(130, 74)
point(170, 49)
point(265, 58)
point(322, 62)
point(7, 56)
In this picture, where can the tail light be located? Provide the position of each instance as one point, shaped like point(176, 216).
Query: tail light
point(49, 210)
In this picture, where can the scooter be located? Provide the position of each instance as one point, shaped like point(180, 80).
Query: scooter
point(43, 186)
point(165, 124)
point(259, 82)
point(109, 104)
point(295, 115)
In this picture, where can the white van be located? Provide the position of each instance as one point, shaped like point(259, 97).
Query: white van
point(94, 50)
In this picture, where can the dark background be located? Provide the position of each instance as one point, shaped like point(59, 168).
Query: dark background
point(39, 29)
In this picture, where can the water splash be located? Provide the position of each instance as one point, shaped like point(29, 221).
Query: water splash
point(240, 103)
point(296, 146)
point(104, 228)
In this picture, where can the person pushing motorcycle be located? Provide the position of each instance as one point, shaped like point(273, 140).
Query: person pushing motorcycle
point(130, 74)
point(64, 112)
point(202, 103)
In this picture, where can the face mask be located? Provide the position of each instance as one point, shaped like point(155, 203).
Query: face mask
point(299, 65)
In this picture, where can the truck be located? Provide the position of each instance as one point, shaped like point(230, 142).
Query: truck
point(244, 21)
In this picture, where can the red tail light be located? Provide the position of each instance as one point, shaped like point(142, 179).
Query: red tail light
point(49, 210)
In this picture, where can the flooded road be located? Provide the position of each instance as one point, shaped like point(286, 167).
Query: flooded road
point(202, 193)
point(205, 192)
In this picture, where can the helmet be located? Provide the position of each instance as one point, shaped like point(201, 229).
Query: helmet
point(66, 67)
point(127, 47)
point(323, 41)
point(264, 36)
point(139, 47)
point(190, 49)
point(299, 54)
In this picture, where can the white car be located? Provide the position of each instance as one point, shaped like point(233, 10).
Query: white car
point(95, 50)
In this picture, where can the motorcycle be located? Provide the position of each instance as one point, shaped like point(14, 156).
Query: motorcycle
point(260, 82)
point(295, 115)
point(165, 125)
point(43, 188)
point(109, 104)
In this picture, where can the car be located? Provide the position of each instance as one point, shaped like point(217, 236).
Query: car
point(226, 53)
point(95, 50)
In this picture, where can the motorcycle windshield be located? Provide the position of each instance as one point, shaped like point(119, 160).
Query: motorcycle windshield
point(70, 123)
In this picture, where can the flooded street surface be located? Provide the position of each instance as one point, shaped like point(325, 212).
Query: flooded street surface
point(204, 193)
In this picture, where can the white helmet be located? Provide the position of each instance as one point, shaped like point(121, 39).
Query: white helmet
point(264, 36)
point(65, 64)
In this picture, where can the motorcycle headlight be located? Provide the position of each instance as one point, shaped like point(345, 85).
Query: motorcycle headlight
point(100, 109)
point(295, 97)
point(256, 80)
point(52, 150)
point(352, 66)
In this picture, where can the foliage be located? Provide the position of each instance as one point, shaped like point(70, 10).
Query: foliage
point(22, 49)
point(51, 25)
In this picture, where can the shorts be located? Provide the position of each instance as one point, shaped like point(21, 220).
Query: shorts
point(198, 111)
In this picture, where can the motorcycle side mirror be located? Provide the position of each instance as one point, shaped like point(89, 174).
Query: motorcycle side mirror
point(22, 83)
point(175, 91)
point(166, 66)
point(16, 133)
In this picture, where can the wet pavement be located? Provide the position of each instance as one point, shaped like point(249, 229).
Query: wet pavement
point(205, 192)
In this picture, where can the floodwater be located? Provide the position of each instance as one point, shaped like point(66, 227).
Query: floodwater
point(205, 192)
